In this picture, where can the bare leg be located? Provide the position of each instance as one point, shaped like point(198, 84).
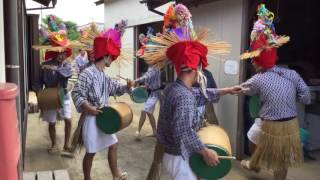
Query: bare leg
point(142, 120)
point(280, 175)
point(113, 163)
point(246, 163)
point(67, 132)
point(153, 123)
point(87, 164)
point(52, 133)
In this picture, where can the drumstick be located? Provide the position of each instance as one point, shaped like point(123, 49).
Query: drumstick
point(122, 77)
point(227, 157)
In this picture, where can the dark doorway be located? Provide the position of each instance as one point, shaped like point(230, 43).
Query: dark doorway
point(167, 75)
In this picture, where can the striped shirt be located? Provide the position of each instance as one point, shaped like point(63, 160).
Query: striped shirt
point(152, 80)
point(278, 89)
point(178, 119)
point(95, 87)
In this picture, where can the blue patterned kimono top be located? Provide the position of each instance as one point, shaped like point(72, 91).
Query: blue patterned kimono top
point(278, 89)
point(178, 120)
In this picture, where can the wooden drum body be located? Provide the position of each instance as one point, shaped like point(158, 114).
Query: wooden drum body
point(51, 98)
point(139, 95)
point(216, 138)
point(115, 117)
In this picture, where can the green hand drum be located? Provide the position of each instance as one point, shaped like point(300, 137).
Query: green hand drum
point(115, 117)
point(139, 95)
point(51, 98)
point(216, 138)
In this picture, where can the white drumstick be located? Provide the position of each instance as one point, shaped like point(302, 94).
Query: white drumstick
point(227, 157)
point(122, 77)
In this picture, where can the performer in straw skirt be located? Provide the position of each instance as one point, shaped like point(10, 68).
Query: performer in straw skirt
point(277, 139)
point(178, 120)
point(92, 92)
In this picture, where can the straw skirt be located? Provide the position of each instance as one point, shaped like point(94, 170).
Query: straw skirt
point(279, 146)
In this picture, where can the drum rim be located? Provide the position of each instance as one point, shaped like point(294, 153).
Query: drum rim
point(225, 160)
point(130, 112)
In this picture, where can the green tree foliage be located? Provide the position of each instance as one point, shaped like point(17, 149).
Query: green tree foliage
point(73, 34)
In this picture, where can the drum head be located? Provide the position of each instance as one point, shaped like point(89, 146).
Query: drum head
point(201, 169)
point(109, 120)
point(139, 95)
point(254, 106)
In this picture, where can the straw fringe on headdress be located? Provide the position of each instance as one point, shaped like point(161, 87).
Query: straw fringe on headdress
point(280, 41)
point(155, 54)
point(72, 44)
point(90, 33)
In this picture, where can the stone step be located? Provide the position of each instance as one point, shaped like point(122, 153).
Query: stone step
point(47, 175)
point(61, 175)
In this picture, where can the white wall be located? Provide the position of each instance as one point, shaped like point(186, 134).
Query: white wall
point(135, 13)
point(2, 60)
point(133, 10)
point(124, 67)
point(224, 18)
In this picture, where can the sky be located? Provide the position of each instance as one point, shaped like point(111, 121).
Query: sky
point(78, 11)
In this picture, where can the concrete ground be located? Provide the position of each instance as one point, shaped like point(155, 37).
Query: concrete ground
point(134, 157)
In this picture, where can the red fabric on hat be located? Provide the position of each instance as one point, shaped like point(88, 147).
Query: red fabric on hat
point(189, 54)
point(54, 54)
point(268, 57)
point(106, 46)
point(113, 49)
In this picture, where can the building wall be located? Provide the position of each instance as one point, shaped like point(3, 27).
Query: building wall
point(136, 13)
point(124, 66)
point(133, 10)
point(224, 18)
point(2, 60)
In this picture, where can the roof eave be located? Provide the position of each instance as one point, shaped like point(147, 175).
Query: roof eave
point(99, 2)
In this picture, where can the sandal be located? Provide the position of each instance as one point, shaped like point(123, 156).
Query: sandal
point(53, 150)
point(138, 136)
point(67, 153)
point(246, 165)
point(123, 176)
point(152, 135)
